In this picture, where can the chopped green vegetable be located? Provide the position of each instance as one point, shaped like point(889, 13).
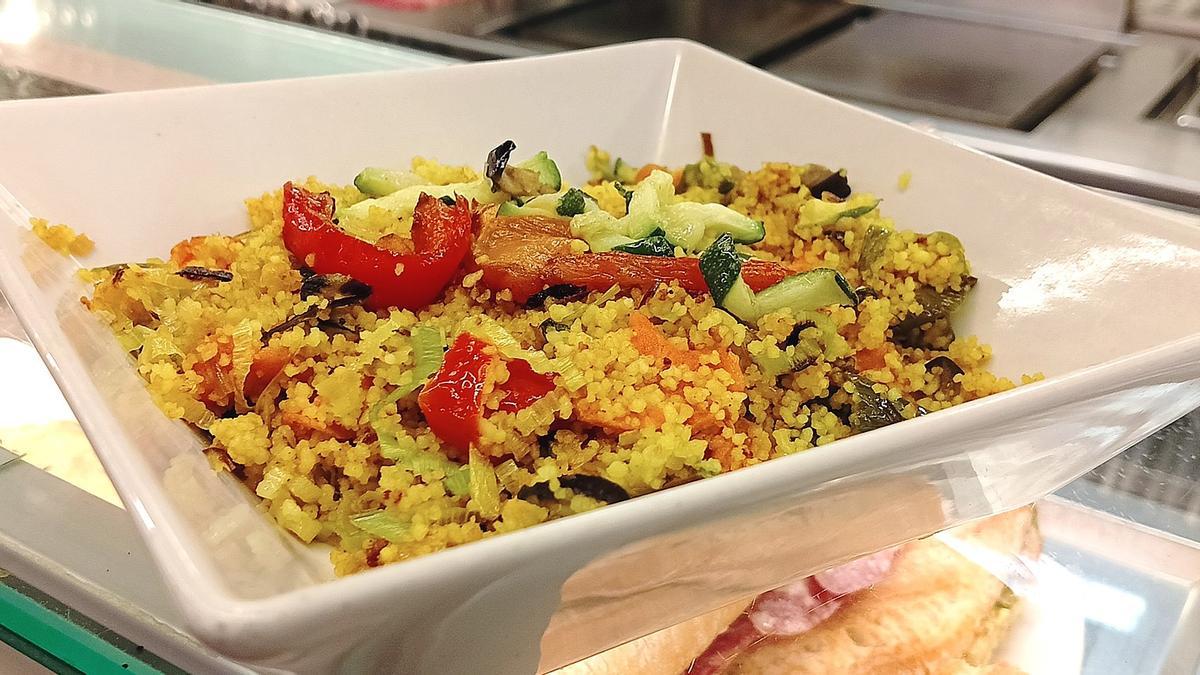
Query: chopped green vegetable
point(874, 245)
point(710, 174)
point(572, 203)
point(823, 214)
point(655, 244)
point(485, 488)
point(651, 207)
point(383, 525)
point(428, 348)
point(376, 182)
point(721, 268)
point(811, 290)
point(402, 203)
point(537, 175)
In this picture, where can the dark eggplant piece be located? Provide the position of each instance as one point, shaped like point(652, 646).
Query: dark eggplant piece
point(538, 492)
point(947, 366)
point(821, 180)
point(497, 160)
point(565, 292)
point(551, 325)
point(936, 305)
point(192, 273)
point(546, 444)
point(600, 489)
point(868, 409)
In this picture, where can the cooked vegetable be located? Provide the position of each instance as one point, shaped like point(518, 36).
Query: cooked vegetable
point(602, 271)
point(537, 175)
point(558, 292)
point(814, 336)
point(452, 401)
point(441, 239)
point(823, 214)
point(655, 244)
point(935, 305)
point(572, 203)
point(820, 180)
point(600, 489)
point(497, 161)
point(708, 173)
point(721, 267)
point(688, 225)
point(383, 525)
point(514, 251)
point(874, 246)
point(376, 182)
point(868, 408)
point(485, 489)
point(193, 273)
point(333, 286)
point(340, 290)
point(427, 345)
point(945, 367)
point(624, 171)
point(402, 203)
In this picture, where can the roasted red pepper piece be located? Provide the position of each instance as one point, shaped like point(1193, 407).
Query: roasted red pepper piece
point(441, 237)
point(512, 251)
point(600, 271)
point(524, 386)
point(452, 401)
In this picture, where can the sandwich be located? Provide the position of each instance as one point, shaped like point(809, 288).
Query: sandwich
point(938, 605)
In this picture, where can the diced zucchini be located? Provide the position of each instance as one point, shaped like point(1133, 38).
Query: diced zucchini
point(821, 287)
point(722, 267)
point(823, 214)
point(376, 182)
point(537, 175)
point(403, 202)
point(656, 244)
point(715, 220)
point(687, 225)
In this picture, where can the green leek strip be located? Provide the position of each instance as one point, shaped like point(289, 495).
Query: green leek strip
point(485, 488)
point(245, 338)
point(427, 343)
point(383, 525)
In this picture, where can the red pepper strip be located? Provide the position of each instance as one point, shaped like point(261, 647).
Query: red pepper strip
point(441, 238)
point(452, 401)
point(524, 387)
point(600, 271)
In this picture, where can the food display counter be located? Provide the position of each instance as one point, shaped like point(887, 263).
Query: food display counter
point(80, 593)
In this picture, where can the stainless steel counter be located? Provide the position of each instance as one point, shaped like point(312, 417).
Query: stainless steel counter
point(1055, 86)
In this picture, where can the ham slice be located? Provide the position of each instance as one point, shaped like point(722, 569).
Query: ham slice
point(793, 609)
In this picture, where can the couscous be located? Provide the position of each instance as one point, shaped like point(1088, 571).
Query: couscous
point(432, 356)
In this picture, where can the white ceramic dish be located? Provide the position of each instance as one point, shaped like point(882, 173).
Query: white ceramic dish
point(1098, 295)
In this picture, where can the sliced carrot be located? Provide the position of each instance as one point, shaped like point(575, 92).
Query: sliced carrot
point(870, 359)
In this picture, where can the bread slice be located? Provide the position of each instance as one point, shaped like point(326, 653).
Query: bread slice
point(937, 612)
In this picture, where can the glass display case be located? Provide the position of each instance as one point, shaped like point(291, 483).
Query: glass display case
point(78, 590)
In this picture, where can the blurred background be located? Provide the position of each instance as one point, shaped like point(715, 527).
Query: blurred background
point(1102, 93)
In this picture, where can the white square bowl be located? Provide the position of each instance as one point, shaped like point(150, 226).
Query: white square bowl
point(1097, 294)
